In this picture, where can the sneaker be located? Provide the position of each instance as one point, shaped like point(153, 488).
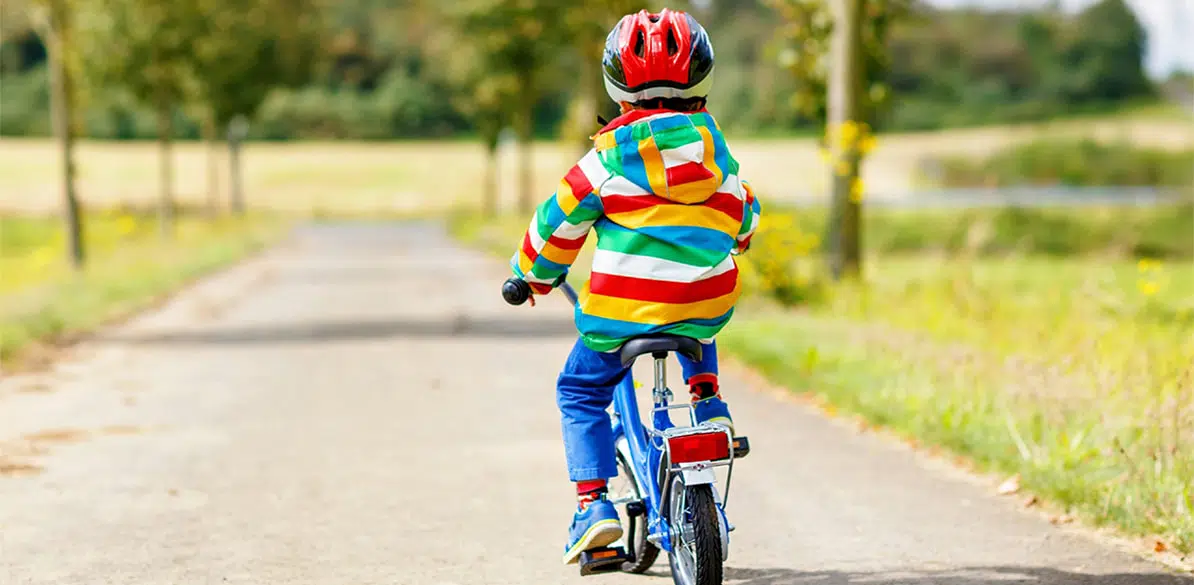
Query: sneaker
point(713, 410)
point(594, 526)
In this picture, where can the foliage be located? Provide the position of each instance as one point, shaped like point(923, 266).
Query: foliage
point(968, 66)
point(781, 262)
point(1071, 162)
point(143, 46)
point(246, 48)
point(947, 67)
point(805, 37)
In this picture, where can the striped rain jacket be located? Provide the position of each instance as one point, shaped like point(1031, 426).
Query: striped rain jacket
point(663, 194)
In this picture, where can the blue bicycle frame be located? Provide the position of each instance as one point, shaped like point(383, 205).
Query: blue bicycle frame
point(646, 456)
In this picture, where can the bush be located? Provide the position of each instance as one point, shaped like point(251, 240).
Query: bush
point(1071, 162)
point(24, 103)
point(782, 263)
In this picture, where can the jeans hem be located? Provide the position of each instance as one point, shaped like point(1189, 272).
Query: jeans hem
point(590, 473)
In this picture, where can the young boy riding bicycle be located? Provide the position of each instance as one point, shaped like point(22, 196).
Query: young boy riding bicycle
point(662, 192)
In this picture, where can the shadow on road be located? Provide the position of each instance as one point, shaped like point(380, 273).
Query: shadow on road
point(971, 576)
point(444, 328)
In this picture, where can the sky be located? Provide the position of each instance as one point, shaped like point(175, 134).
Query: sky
point(1170, 26)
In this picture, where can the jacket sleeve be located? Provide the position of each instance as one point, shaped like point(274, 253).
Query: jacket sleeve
point(560, 226)
point(750, 218)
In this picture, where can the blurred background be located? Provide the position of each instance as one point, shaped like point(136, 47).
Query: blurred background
point(979, 216)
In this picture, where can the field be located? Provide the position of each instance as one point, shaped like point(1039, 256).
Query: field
point(422, 177)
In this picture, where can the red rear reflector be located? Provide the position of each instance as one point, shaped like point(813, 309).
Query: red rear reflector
point(703, 447)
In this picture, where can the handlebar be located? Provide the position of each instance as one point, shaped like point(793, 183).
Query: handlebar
point(516, 291)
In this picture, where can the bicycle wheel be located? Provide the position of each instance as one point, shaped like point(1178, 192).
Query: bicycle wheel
point(696, 556)
point(623, 487)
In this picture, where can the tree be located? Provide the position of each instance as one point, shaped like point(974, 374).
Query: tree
point(55, 16)
point(244, 49)
point(519, 38)
point(588, 24)
point(849, 91)
point(485, 97)
point(1105, 56)
point(145, 46)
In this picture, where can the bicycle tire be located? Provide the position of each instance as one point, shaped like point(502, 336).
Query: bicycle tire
point(645, 553)
point(707, 566)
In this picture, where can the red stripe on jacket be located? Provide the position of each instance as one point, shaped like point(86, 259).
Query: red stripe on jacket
point(661, 291)
point(690, 172)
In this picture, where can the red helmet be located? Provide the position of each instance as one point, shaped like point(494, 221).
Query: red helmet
point(664, 55)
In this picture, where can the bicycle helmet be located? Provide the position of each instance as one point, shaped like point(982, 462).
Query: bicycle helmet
point(664, 55)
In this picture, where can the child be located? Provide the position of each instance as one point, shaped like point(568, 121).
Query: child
point(663, 193)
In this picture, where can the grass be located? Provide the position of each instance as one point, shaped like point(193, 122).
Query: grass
point(1077, 374)
point(1068, 362)
point(435, 176)
point(42, 299)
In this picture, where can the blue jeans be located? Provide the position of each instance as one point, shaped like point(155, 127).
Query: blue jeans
point(584, 392)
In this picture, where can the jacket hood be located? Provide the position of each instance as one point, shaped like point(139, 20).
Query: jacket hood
point(679, 156)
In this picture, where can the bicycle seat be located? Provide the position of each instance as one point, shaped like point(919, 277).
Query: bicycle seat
point(659, 346)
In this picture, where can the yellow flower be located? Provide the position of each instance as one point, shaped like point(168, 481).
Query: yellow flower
point(42, 257)
point(867, 144)
point(1147, 287)
point(1148, 264)
point(850, 131)
point(856, 190)
point(842, 168)
point(126, 225)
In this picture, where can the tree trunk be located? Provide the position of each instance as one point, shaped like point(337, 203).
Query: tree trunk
point(845, 94)
point(213, 167)
point(489, 201)
point(166, 167)
point(525, 131)
point(64, 123)
point(234, 178)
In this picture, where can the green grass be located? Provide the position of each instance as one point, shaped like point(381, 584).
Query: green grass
point(1072, 365)
point(42, 299)
point(1077, 374)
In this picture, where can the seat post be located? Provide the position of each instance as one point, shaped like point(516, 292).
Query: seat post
point(660, 375)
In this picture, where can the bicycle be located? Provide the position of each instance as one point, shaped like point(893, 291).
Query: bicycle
point(669, 500)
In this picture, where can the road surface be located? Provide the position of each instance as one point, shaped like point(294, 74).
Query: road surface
point(359, 407)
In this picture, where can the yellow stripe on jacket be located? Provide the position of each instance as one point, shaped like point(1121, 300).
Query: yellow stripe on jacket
point(677, 215)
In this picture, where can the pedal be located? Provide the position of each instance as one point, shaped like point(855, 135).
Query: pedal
point(741, 447)
point(602, 560)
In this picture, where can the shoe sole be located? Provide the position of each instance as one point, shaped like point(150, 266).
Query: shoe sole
point(603, 533)
point(723, 421)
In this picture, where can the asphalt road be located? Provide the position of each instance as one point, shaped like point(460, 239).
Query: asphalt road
point(359, 407)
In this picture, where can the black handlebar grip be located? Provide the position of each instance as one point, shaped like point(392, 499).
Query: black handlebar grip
point(516, 291)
